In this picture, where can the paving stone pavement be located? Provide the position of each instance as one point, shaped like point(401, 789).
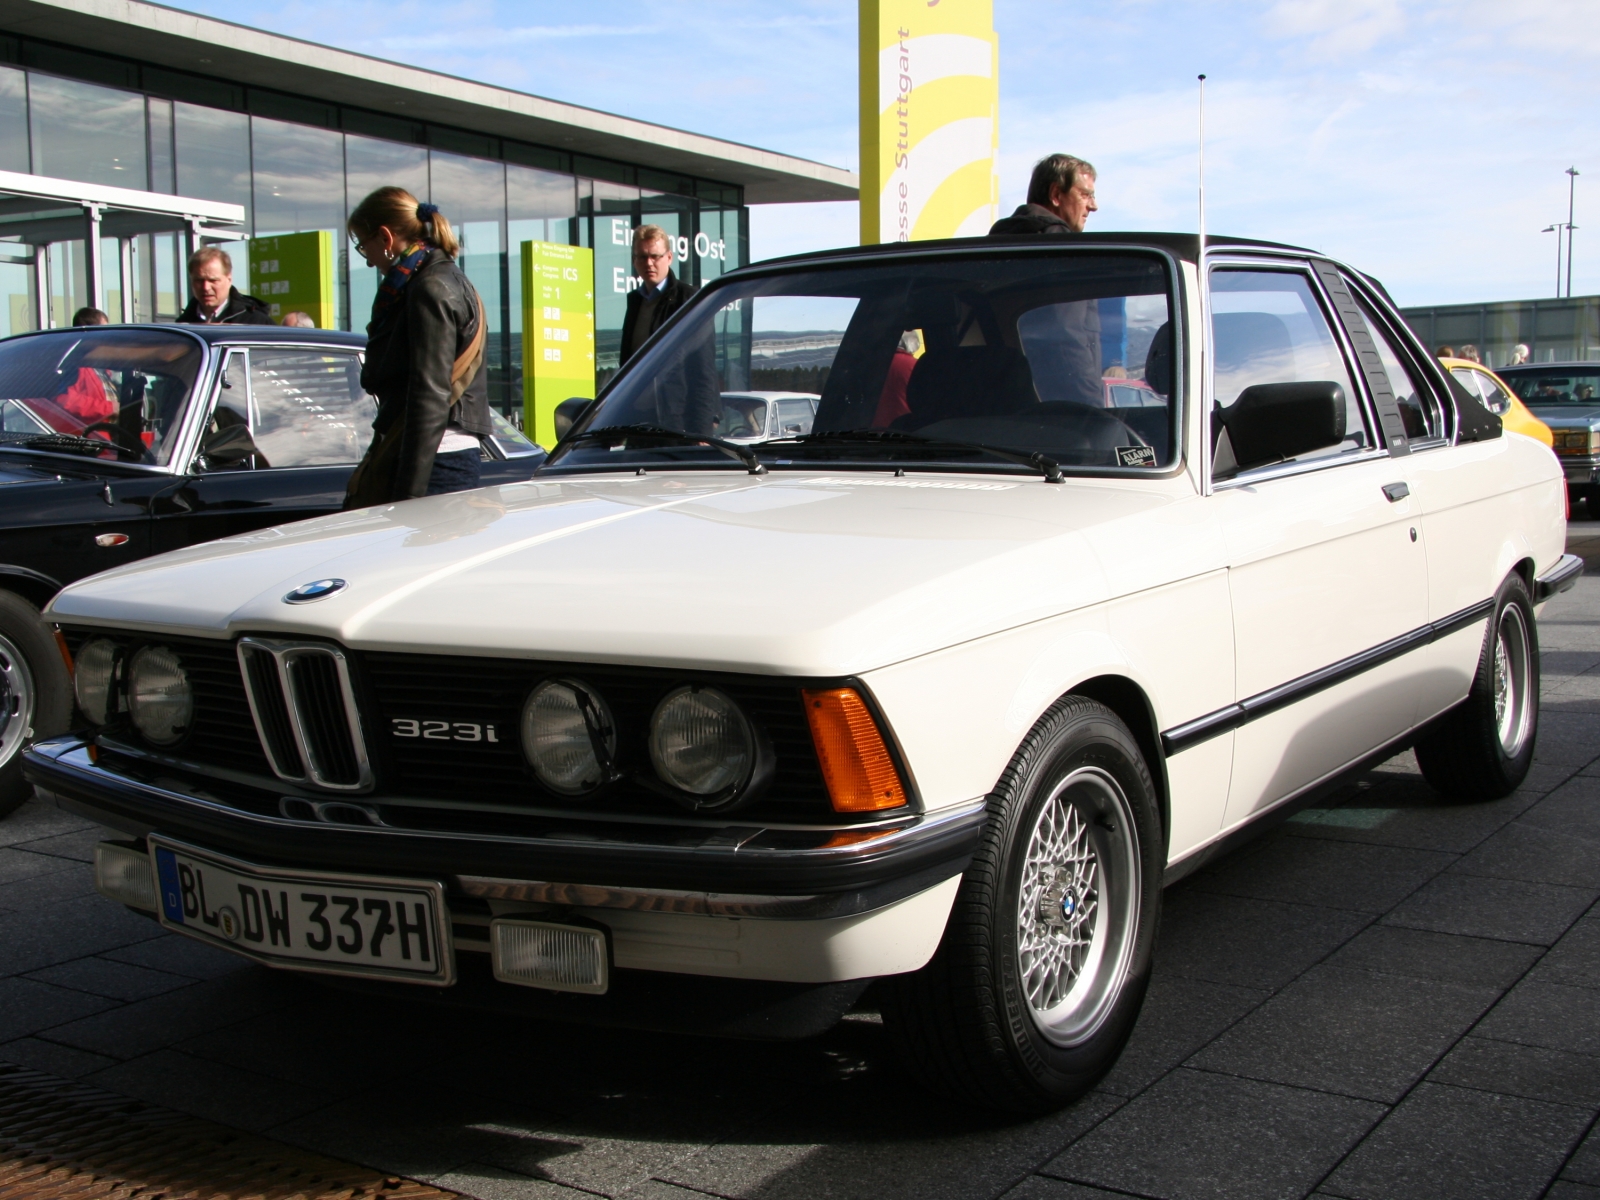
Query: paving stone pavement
point(1385, 998)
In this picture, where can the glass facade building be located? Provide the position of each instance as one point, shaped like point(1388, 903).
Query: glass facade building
point(297, 164)
point(1560, 330)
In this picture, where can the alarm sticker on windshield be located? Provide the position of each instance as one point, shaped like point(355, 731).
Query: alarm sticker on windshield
point(1136, 456)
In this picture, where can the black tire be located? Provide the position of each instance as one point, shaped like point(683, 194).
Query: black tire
point(35, 692)
point(1482, 748)
point(978, 1023)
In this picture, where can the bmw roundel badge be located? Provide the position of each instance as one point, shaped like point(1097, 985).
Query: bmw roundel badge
point(319, 589)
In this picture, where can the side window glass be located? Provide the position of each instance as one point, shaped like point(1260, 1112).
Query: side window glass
point(1269, 329)
point(1418, 409)
point(308, 407)
point(231, 412)
point(794, 418)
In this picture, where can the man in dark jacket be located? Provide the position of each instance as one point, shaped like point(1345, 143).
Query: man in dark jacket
point(685, 394)
point(1060, 199)
point(215, 301)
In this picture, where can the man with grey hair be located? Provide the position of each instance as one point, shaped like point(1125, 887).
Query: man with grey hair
point(1060, 198)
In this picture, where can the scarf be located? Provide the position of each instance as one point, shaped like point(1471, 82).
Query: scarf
point(394, 283)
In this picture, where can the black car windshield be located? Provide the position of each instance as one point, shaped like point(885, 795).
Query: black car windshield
point(1555, 385)
point(959, 362)
point(105, 393)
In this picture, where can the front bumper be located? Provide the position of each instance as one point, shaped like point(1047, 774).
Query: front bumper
point(1581, 470)
point(708, 871)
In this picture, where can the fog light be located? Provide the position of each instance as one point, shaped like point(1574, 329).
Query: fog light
point(124, 875)
point(563, 958)
point(159, 698)
point(92, 678)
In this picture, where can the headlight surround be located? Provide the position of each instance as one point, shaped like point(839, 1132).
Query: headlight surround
point(94, 677)
point(702, 745)
point(569, 736)
point(160, 699)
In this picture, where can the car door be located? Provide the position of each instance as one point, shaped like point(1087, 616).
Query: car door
point(310, 422)
point(1325, 568)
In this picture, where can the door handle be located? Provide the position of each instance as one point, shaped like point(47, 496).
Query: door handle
point(1396, 492)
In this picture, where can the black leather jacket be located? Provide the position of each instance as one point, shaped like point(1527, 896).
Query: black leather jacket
point(1030, 218)
point(239, 310)
point(674, 295)
point(410, 350)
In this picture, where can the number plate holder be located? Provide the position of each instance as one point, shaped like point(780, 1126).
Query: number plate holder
point(304, 920)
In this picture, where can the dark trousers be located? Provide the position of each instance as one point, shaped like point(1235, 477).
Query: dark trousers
point(454, 472)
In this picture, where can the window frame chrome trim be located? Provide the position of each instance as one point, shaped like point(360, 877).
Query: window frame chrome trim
point(283, 652)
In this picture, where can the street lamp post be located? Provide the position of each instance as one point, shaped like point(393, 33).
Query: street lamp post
point(1556, 229)
point(1572, 194)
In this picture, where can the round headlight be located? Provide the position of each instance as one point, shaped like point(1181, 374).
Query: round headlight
point(94, 671)
point(568, 736)
point(159, 697)
point(701, 743)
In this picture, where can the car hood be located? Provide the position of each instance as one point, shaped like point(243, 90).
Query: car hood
point(1565, 415)
point(822, 575)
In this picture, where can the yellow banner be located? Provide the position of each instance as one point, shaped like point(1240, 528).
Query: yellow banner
point(557, 333)
point(930, 119)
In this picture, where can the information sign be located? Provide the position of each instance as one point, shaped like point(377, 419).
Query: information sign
point(293, 272)
point(557, 332)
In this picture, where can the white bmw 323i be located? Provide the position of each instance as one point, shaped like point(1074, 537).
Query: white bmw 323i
point(1057, 598)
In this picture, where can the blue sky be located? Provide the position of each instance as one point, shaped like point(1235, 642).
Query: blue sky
point(1422, 141)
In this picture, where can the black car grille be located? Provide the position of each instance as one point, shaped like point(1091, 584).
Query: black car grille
point(481, 694)
point(485, 693)
point(305, 720)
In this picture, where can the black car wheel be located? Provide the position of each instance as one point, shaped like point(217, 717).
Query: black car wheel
point(1482, 748)
point(35, 692)
point(1046, 957)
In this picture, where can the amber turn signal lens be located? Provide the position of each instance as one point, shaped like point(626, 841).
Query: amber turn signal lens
point(855, 762)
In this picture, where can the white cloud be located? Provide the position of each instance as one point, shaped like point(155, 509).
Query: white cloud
point(1337, 27)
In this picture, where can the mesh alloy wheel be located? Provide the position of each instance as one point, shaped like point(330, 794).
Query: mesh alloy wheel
point(18, 701)
point(1078, 906)
point(1513, 681)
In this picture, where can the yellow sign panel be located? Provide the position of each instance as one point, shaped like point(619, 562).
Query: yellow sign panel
point(557, 332)
point(293, 272)
point(930, 119)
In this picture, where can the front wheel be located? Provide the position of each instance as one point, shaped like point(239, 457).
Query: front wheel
point(35, 692)
point(1482, 748)
point(1045, 960)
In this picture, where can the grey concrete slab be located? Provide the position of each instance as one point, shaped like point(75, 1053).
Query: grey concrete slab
point(71, 882)
point(1041, 1187)
point(1575, 959)
point(109, 978)
point(1357, 1033)
point(211, 1090)
point(1448, 958)
point(34, 820)
point(1180, 1016)
point(1547, 1014)
point(1517, 1070)
point(1512, 910)
point(1328, 872)
point(485, 1182)
point(1584, 1165)
point(1402, 810)
point(75, 928)
point(1199, 1136)
point(1244, 942)
point(180, 955)
point(1568, 738)
point(27, 1006)
point(1526, 852)
point(18, 864)
point(76, 846)
point(1572, 808)
point(41, 1054)
point(1447, 1143)
point(1564, 1189)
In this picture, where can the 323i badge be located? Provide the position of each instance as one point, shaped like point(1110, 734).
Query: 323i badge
point(307, 920)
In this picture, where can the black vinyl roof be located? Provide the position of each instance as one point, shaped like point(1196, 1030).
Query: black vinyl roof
point(227, 334)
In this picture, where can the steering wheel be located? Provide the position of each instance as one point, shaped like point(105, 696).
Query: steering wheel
point(119, 437)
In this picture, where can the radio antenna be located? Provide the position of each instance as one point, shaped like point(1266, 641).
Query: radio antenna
point(1202, 166)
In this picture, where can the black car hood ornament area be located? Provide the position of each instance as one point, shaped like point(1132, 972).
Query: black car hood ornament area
point(319, 589)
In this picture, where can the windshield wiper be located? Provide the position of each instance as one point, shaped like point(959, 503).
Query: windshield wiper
point(66, 442)
point(621, 433)
point(1039, 462)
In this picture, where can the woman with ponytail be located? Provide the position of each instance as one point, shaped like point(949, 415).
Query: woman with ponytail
point(425, 360)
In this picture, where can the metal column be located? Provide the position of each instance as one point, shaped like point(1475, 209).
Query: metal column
point(93, 273)
point(41, 276)
point(125, 253)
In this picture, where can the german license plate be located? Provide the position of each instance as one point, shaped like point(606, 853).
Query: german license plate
point(307, 920)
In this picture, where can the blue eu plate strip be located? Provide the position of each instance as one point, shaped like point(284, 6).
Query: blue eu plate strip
point(171, 891)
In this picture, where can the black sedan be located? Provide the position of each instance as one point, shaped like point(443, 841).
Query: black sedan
point(119, 442)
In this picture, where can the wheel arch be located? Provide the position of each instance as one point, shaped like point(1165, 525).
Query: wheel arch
point(1132, 705)
point(33, 586)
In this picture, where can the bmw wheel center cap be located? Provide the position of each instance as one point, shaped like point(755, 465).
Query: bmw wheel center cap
point(319, 589)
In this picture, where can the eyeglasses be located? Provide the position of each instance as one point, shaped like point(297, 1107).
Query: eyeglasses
point(658, 256)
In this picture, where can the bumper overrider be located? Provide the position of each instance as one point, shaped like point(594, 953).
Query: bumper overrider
point(757, 910)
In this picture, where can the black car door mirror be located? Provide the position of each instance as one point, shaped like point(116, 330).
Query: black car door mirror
point(228, 446)
point(1272, 422)
point(569, 412)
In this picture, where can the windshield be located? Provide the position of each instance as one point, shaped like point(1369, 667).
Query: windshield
point(1565, 385)
point(105, 393)
point(963, 363)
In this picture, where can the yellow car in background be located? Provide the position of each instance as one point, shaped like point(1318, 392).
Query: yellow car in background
point(1498, 398)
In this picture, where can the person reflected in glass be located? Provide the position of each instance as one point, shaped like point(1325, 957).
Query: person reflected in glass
point(685, 394)
point(425, 355)
point(213, 298)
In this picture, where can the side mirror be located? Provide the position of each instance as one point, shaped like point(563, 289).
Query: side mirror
point(1271, 422)
point(229, 446)
point(569, 412)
